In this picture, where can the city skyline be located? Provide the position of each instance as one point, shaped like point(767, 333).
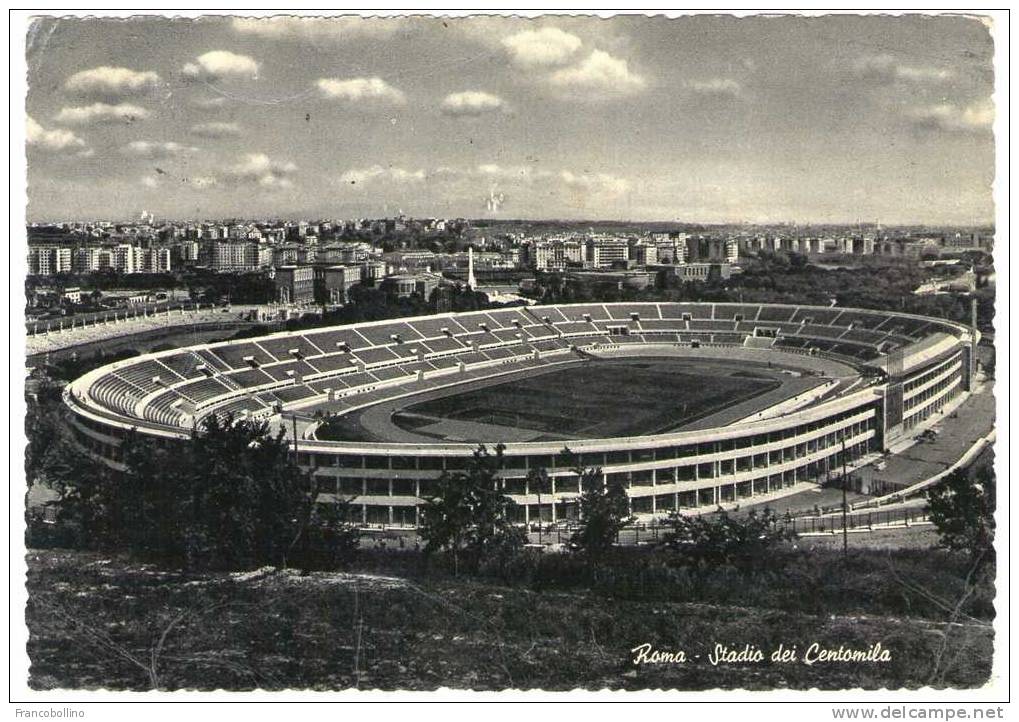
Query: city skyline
point(699, 119)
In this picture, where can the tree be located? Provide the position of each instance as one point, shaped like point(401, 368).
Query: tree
point(538, 483)
point(708, 543)
point(962, 510)
point(604, 510)
point(334, 540)
point(231, 497)
point(469, 514)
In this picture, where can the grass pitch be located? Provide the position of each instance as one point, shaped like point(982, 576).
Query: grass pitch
point(601, 399)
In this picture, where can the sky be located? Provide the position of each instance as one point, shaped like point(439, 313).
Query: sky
point(705, 119)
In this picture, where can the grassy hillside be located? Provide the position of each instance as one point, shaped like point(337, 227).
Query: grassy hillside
point(97, 621)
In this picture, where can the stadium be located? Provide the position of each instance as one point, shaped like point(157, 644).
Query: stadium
point(690, 405)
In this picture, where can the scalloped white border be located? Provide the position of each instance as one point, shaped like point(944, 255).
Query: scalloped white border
point(698, 702)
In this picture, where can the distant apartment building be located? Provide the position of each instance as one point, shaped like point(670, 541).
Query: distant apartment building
point(87, 259)
point(605, 252)
point(970, 240)
point(274, 235)
point(295, 284)
point(411, 261)
point(240, 256)
point(918, 247)
point(46, 261)
point(558, 254)
point(237, 232)
point(702, 249)
point(373, 271)
point(185, 253)
point(333, 283)
point(285, 255)
point(153, 260)
point(123, 258)
point(344, 253)
point(644, 254)
point(513, 257)
point(670, 248)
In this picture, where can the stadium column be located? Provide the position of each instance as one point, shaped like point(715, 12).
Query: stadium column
point(654, 497)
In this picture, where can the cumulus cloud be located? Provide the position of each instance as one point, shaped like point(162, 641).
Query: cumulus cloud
point(216, 130)
point(157, 150)
point(53, 141)
point(973, 118)
point(199, 182)
point(111, 83)
point(219, 64)
point(528, 184)
point(496, 175)
point(315, 29)
point(541, 48)
point(600, 73)
point(360, 90)
point(209, 103)
point(162, 179)
point(362, 176)
point(496, 187)
point(472, 103)
point(524, 173)
point(887, 69)
point(101, 114)
point(261, 170)
point(596, 184)
point(715, 86)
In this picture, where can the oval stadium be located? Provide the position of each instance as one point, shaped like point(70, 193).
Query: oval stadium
point(690, 405)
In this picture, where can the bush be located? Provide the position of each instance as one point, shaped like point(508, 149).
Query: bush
point(710, 542)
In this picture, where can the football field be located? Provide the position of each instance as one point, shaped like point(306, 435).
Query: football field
point(597, 399)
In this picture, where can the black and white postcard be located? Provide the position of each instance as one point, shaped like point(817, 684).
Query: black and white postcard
point(495, 356)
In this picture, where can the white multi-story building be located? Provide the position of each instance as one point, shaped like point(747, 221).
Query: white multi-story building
point(556, 254)
point(670, 249)
point(153, 260)
point(88, 260)
point(48, 260)
point(603, 252)
point(123, 258)
point(240, 256)
point(731, 250)
point(645, 254)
